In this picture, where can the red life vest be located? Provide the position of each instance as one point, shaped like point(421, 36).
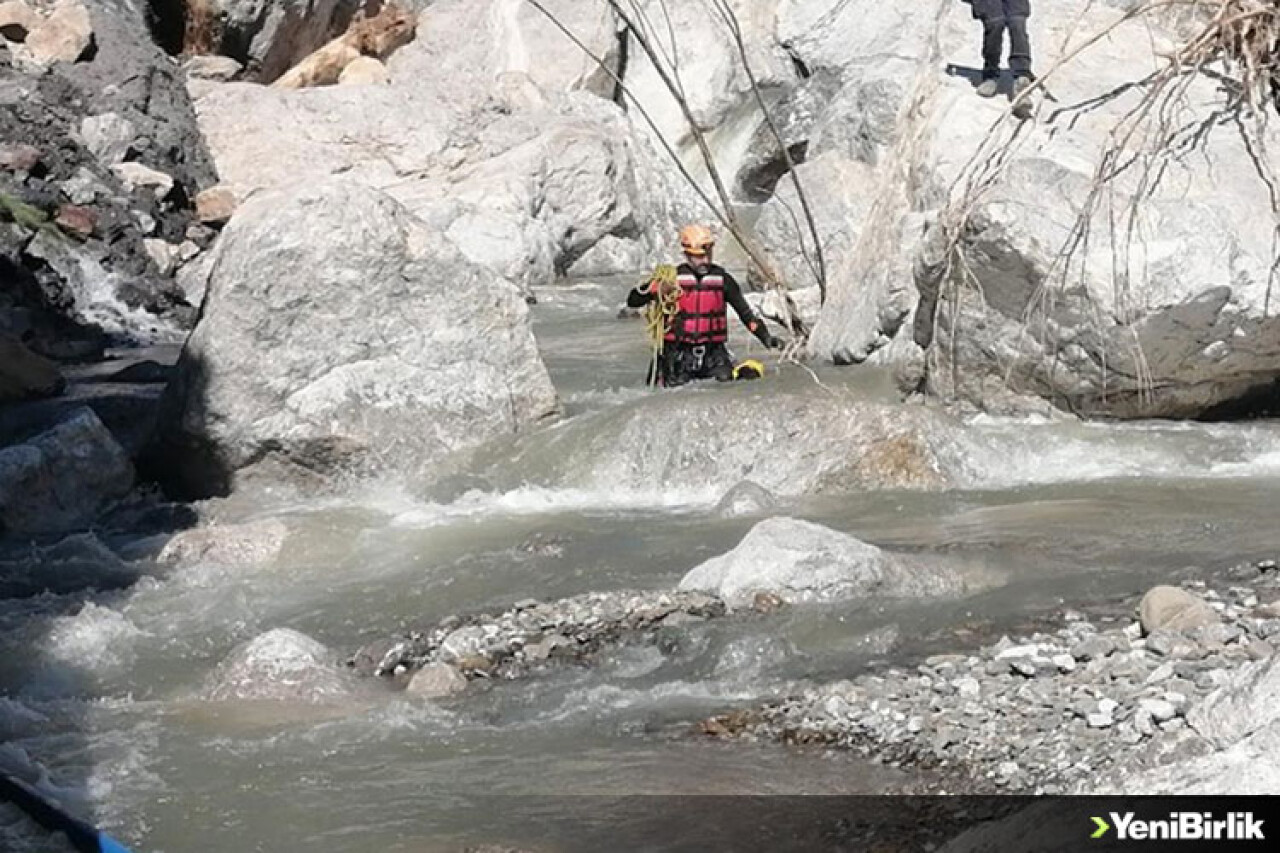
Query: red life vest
point(702, 309)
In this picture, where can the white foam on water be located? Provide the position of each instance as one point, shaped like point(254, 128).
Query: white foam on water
point(97, 640)
point(606, 699)
point(542, 500)
point(1008, 452)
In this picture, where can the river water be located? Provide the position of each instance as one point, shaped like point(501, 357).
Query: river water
point(100, 690)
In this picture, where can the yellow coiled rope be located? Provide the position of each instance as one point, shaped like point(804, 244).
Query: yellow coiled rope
point(661, 313)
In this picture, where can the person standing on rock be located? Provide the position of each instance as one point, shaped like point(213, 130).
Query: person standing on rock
point(694, 342)
point(996, 17)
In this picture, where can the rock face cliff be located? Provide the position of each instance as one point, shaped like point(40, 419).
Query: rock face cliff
point(99, 162)
point(986, 254)
point(1146, 293)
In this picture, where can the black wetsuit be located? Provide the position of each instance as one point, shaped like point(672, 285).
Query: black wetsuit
point(684, 361)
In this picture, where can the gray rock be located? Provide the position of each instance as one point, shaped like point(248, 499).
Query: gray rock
point(280, 665)
point(436, 681)
point(1250, 701)
point(802, 561)
point(1159, 709)
point(397, 380)
point(1173, 609)
point(25, 375)
point(73, 564)
point(1250, 767)
point(218, 68)
point(64, 35)
point(109, 137)
point(250, 544)
point(1095, 647)
point(62, 479)
point(138, 176)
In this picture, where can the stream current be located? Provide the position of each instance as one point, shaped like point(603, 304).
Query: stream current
point(100, 690)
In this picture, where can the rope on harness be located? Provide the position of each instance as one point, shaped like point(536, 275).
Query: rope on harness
point(83, 837)
point(660, 314)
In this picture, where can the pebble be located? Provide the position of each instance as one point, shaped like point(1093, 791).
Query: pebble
point(1159, 709)
point(1061, 717)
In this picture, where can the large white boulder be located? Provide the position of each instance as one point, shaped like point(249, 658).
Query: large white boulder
point(341, 334)
point(1163, 309)
point(800, 561)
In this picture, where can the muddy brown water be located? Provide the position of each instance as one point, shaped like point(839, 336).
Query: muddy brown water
point(101, 692)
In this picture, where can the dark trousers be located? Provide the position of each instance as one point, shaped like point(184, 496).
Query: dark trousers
point(681, 363)
point(998, 16)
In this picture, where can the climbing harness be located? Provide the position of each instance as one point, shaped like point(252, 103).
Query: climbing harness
point(83, 837)
point(660, 315)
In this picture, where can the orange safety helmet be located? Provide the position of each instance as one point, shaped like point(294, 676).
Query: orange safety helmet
point(696, 240)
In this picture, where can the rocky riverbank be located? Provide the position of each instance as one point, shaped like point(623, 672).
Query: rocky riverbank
point(439, 661)
point(1055, 711)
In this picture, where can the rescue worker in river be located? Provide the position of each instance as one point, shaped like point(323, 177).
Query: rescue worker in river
point(694, 343)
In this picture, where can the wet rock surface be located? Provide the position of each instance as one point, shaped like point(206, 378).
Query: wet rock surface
point(280, 665)
point(800, 561)
point(1052, 711)
point(530, 635)
point(63, 478)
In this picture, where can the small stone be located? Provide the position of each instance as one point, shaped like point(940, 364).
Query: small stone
point(109, 137)
point(216, 205)
point(163, 254)
point(218, 68)
point(1171, 644)
point(1143, 723)
point(1008, 768)
point(1095, 647)
point(915, 724)
point(1099, 721)
point(1023, 667)
point(435, 681)
point(767, 602)
point(1159, 709)
point(1265, 566)
point(1107, 706)
point(546, 647)
point(1173, 725)
point(17, 20)
point(66, 35)
point(1216, 634)
point(1260, 649)
point(77, 220)
point(968, 688)
point(19, 158)
point(187, 250)
point(135, 175)
point(1161, 673)
point(1174, 609)
point(1064, 663)
point(1023, 651)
